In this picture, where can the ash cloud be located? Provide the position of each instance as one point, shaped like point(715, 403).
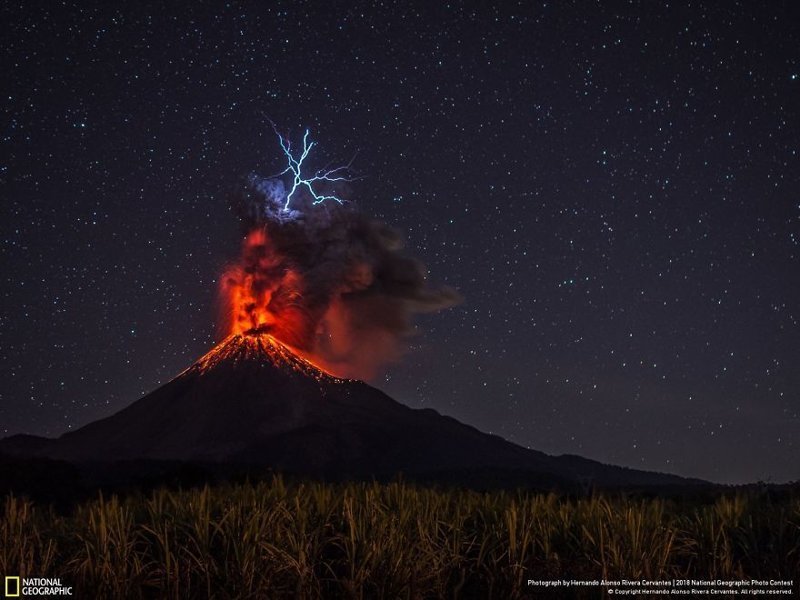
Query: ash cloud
point(332, 283)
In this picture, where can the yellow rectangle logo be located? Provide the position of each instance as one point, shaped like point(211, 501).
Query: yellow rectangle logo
point(12, 587)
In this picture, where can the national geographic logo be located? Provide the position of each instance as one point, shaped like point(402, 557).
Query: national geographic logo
point(27, 587)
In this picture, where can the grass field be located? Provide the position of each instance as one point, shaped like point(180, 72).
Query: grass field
point(279, 540)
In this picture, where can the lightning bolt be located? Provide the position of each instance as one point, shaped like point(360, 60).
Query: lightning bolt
point(295, 167)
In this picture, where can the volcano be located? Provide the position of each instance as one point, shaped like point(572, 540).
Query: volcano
point(254, 401)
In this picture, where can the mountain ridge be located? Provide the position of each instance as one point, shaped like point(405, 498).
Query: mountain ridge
point(252, 400)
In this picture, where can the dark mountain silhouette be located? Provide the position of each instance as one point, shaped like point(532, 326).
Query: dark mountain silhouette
point(253, 401)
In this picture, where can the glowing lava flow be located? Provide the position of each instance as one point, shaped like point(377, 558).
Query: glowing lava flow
point(257, 346)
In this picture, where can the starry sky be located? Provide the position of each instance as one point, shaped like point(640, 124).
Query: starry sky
point(612, 187)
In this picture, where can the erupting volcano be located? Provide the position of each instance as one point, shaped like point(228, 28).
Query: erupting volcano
point(253, 401)
point(319, 298)
point(321, 277)
point(230, 405)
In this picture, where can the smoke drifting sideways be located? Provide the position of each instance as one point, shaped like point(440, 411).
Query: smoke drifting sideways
point(325, 280)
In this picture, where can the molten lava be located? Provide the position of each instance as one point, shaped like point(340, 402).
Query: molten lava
point(257, 346)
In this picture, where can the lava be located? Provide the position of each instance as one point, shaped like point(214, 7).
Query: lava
point(258, 345)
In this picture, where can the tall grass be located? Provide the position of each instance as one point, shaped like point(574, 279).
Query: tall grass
point(311, 540)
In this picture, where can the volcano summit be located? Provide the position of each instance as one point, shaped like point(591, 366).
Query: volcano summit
point(254, 401)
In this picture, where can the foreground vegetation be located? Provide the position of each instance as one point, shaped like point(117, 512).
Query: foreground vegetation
point(397, 540)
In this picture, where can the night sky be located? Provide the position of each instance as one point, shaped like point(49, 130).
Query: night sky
point(613, 188)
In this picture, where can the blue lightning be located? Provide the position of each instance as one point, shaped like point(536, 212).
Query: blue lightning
point(295, 167)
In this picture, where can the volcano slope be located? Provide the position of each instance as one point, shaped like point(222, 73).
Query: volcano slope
point(252, 401)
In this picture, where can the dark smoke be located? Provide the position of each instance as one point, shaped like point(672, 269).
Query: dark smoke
point(338, 283)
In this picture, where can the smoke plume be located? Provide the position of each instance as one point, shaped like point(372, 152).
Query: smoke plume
point(325, 280)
